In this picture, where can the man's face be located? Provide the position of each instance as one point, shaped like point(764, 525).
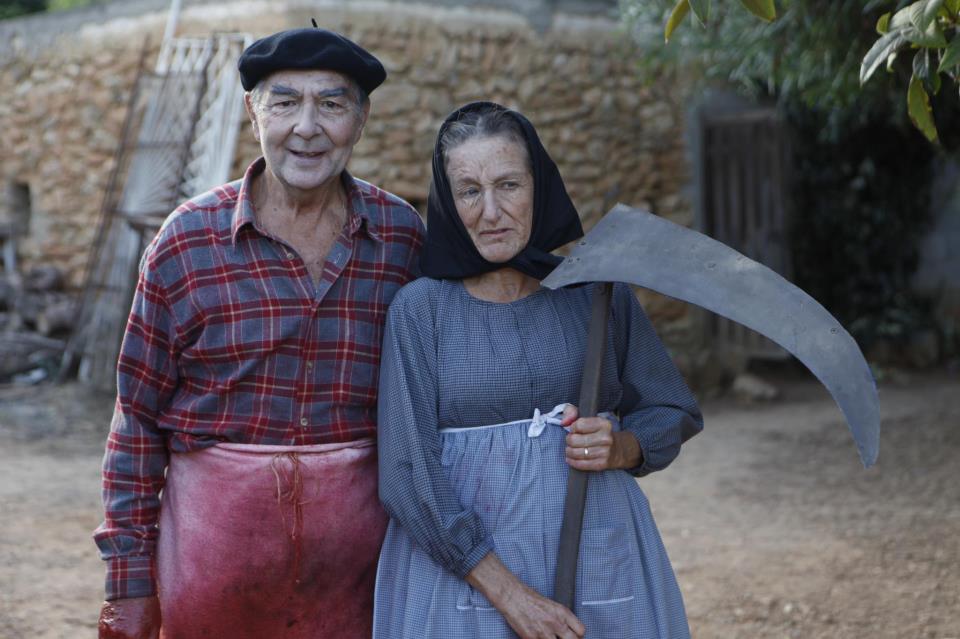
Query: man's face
point(307, 123)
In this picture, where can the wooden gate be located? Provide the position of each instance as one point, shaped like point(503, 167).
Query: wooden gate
point(743, 181)
point(179, 140)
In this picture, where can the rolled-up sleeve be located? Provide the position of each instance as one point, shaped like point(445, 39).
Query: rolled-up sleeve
point(136, 452)
point(413, 486)
point(656, 405)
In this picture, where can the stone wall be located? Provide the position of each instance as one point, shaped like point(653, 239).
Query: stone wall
point(570, 72)
point(60, 124)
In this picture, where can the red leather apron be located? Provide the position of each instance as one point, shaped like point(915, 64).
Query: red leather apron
point(270, 541)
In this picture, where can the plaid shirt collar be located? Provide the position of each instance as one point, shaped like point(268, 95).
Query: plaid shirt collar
point(358, 217)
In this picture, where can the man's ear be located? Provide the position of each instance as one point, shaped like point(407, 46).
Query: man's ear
point(252, 114)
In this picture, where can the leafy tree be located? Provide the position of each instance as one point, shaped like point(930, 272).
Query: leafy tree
point(860, 180)
point(810, 52)
point(59, 5)
point(13, 8)
point(929, 29)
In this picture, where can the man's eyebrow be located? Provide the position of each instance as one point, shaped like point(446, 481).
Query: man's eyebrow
point(279, 89)
point(333, 93)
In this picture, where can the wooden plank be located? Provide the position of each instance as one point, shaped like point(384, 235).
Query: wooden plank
point(742, 204)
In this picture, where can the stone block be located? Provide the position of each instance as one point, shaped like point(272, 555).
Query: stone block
point(751, 388)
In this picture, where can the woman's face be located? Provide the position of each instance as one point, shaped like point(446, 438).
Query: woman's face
point(493, 190)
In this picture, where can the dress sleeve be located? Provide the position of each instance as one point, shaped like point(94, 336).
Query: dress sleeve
point(413, 487)
point(136, 452)
point(656, 405)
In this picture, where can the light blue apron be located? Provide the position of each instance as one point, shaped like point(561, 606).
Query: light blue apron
point(514, 477)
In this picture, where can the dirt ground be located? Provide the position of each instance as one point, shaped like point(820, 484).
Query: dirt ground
point(774, 528)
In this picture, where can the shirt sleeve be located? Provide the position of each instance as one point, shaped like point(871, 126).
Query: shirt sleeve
point(656, 405)
point(136, 452)
point(413, 487)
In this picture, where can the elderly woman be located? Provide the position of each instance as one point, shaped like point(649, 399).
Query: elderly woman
point(474, 484)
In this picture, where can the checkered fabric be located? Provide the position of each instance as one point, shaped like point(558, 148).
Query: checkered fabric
point(453, 361)
point(229, 340)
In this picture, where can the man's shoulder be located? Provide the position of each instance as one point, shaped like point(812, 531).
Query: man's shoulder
point(208, 214)
point(197, 210)
point(388, 209)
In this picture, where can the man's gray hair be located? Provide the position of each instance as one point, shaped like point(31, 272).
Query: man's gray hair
point(484, 122)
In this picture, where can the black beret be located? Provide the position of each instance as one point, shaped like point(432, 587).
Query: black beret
point(309, 49)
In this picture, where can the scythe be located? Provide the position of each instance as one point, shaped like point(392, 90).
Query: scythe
point(635, 246)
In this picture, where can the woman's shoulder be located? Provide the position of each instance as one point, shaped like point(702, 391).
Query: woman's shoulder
point(418, 290)
point(417, 298)
point(625, 298)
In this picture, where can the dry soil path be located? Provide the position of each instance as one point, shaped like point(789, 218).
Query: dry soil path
point(774, 528)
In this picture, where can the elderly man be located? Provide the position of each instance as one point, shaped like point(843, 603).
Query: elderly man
point(247, 377)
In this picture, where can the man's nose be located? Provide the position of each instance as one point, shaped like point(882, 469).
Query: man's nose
point(307, 124)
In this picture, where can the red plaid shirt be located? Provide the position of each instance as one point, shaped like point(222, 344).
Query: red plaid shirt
point(230, 340)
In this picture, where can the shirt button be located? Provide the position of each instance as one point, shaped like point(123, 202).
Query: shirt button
point(289, 255)
point(303, 421)
point(310, 365)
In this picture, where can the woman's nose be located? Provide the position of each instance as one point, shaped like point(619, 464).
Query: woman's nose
point(491, 206)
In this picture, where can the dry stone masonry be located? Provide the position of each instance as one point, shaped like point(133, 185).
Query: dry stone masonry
point(616, 138)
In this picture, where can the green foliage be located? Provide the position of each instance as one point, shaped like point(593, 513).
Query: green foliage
point(679, 12)
point(811, 52)
point(860, 173)
point(763, 9)
point(930, 31)
point(926, 28)
point(701, 9)
point(918, 104)
point(14, 8)
point(60, 5)
point(860, 202)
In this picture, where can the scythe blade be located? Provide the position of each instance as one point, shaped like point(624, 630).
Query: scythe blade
point(635, 246)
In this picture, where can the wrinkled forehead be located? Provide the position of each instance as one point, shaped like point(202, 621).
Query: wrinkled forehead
point(489, 157)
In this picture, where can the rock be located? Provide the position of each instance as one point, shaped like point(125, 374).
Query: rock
point(31, 378)
point(395, 99)
point(23, 352)
point(44, 278)
point(705, 371)
point(750, 388)
point(57, 318)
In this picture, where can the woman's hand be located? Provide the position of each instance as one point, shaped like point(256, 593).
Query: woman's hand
point(593, 445)
point(531, 615)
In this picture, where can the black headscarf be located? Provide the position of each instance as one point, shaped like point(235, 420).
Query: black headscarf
point(449, 253)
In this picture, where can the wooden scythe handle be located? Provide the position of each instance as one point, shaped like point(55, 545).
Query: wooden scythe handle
point(569, 549)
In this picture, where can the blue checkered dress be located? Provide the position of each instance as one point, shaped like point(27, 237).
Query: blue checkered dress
point(451, 361)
